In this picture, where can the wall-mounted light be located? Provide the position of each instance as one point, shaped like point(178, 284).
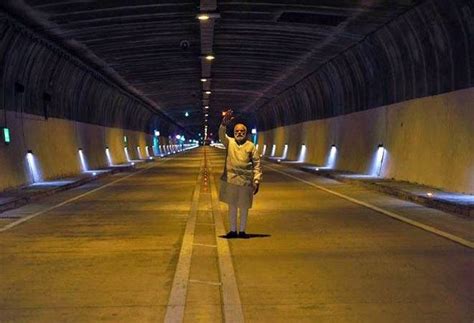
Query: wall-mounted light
point(203, 80)
point(125, 149)
point(139, 152)
point(208, 92)
point(378, 161)
point(285, 152)
point(83, 160)
point(302, 156)
point(186, 114)
point(331, 162)
point(6, 135)
point(206, 107)
point(210, 57)
point(273, 151)
point(33, 167)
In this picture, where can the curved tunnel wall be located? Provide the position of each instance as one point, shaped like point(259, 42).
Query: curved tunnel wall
point(54, 104)
point(408, 86)
point(429, 50)
point(41, 79)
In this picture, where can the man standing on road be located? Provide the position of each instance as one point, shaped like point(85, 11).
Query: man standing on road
point(242, 175)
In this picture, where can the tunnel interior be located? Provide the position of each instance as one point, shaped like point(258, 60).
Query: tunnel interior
point(123, 200)
point(381, 88)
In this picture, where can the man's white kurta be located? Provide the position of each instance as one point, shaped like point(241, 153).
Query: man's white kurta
point(242, 169)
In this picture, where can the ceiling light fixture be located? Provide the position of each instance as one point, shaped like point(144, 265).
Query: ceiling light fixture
point(203, 80)
point(208, 92)
point(210, 57)
point(203, 17)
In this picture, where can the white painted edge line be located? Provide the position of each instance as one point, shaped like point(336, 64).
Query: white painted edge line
point(177, 299)
point(417, 224)
point(232, 306)
point(31, 216)
point(205, 282)
point(205, 245)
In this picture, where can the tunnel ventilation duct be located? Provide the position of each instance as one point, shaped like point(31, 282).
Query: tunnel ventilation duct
point(310, 18)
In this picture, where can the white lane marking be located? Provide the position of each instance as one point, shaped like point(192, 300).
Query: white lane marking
point(205, 282)
point(205, 245)
point(417, 224)
point(29, 217)
point(232, 306)
point(179, 289)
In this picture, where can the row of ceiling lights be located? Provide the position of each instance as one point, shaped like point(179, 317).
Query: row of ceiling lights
point(203, 18)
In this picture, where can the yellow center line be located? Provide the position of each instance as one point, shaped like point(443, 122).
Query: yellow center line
point(232, 306)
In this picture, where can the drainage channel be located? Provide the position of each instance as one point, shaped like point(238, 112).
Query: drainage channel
point(204, 287)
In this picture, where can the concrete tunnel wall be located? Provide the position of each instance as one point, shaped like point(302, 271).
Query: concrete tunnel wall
point(435, 148)
point(54, 103)
point(407, 85)
point(55, 144)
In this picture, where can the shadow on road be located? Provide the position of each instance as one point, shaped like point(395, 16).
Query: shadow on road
point(250, 236)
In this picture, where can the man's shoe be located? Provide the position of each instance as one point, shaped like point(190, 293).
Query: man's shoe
point(231, 234)
point(243, 235)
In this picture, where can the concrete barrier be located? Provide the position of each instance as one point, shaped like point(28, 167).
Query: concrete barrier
point(55, 144)
point(427, 141)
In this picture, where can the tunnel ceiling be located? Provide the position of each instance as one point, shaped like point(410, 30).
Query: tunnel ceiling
point(261, 48)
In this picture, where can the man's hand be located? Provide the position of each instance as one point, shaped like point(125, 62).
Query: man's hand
point(256, 186)
point(227, 117)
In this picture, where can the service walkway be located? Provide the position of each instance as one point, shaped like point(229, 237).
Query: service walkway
point(145, 247)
